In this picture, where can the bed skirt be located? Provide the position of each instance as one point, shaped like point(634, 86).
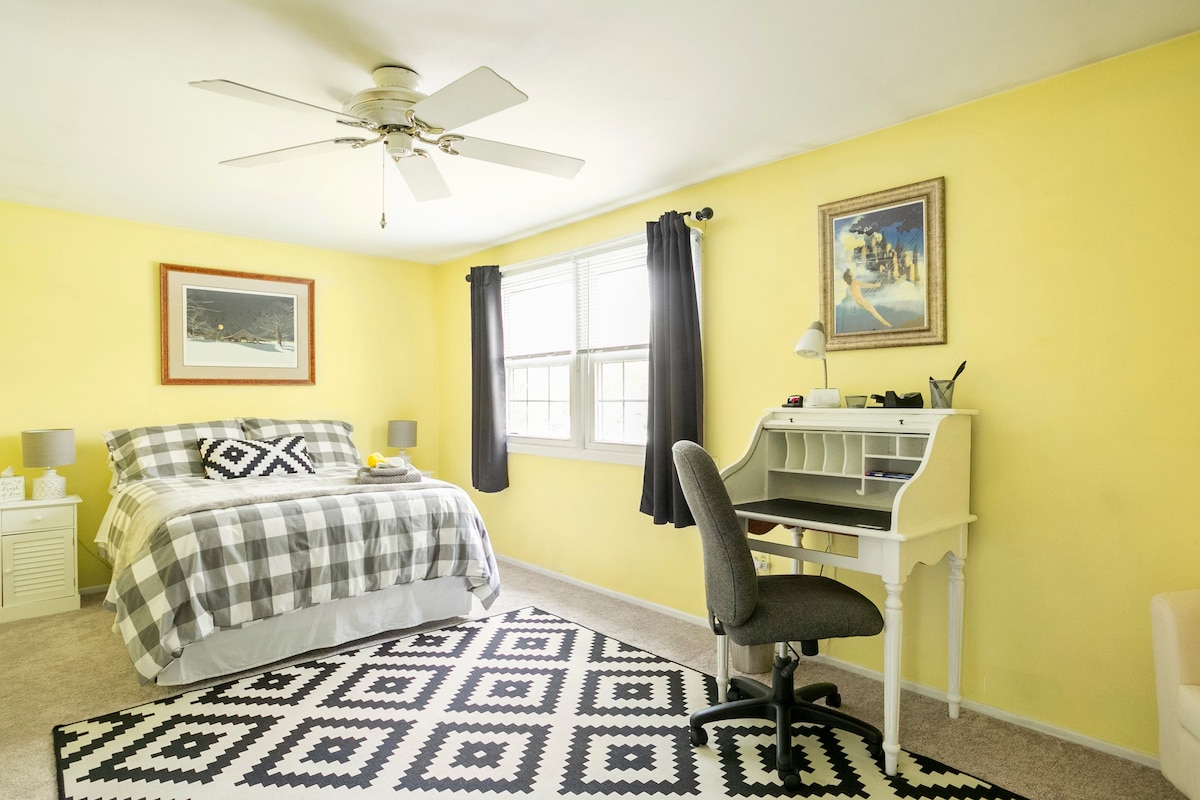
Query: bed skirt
point(320, 626)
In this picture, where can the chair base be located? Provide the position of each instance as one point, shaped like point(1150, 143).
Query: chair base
point(784, 705)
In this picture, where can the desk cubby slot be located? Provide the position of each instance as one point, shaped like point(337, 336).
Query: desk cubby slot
point(777, 451)
point(835, 452)
point(880, 445)
point(795, 450)
point(814, 452)
point(911, 446)
point(853, 463)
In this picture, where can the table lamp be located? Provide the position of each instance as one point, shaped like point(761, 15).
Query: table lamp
point(812, 345)
point(49, 448)
point(402, 433)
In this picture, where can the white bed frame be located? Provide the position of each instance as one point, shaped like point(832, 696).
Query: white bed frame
point(320, 626)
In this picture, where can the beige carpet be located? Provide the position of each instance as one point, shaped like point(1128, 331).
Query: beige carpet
point(70, 666)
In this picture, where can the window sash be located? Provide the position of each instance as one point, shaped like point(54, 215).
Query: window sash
point(615, 410)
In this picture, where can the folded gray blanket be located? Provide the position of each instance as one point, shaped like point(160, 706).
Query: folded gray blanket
point(389, 474)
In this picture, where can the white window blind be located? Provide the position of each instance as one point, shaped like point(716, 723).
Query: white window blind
point(583, 303)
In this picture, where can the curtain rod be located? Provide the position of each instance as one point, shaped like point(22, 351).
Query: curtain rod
point(700, 215)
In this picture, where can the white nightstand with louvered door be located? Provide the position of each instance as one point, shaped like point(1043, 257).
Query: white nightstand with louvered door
point(38, 567)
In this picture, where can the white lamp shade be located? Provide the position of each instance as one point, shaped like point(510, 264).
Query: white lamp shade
point(812, 343)
point(52, 447)
point(402, 433)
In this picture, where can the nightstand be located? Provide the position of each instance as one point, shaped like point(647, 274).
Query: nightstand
point(38, 565)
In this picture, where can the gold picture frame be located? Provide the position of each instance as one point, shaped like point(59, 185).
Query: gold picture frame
point(222, 327)
point(883, 268)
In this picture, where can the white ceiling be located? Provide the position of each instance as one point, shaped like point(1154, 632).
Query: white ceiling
point(96, 114)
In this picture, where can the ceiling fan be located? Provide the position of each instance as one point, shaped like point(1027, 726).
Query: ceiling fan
point(401, 117)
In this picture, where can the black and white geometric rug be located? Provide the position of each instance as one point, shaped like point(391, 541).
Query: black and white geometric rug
point(519, 705)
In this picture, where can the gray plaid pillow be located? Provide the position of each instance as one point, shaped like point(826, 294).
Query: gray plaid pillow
point(328, 440)
point(164, 451)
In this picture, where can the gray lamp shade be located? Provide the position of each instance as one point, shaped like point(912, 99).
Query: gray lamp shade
point(402, 433)
point(52, 447)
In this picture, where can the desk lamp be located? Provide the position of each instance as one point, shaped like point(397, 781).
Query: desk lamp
point(402, 433)
point(812, 345)
point(50, 448)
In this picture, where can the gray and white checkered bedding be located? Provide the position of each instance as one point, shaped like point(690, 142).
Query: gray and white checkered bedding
point(251, 549)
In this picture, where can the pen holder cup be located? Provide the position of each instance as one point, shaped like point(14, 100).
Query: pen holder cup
point(941, 394)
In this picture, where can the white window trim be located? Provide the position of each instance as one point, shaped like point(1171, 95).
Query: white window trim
point(582, 445)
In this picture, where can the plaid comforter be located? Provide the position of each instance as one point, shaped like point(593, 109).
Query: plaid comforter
point(246, 550)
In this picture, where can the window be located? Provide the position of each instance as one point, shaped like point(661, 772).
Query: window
point(576, 352)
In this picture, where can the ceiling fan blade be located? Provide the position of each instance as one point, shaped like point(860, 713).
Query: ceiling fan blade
point(298, 151)
point(259, 96)
point(511, 155)
point(473, 96)
point(423, 177)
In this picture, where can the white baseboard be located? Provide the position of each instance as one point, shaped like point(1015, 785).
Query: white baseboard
point(1005, 716)
point(101, 589)
point(979, 708)
point(637, 601)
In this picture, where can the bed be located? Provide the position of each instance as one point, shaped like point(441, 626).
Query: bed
point(269, 544)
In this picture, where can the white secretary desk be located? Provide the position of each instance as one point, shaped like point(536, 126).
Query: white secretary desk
point(895, 479)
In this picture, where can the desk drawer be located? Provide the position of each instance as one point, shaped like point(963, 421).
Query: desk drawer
point(15, 520)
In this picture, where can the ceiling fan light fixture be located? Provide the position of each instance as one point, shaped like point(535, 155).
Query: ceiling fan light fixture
point(399, 145)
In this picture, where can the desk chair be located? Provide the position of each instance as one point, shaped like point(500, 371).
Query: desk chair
point(753, 610)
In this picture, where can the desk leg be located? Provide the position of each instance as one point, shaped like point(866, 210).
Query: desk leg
point(957, 585)
point(722, 667)
point(893, 639)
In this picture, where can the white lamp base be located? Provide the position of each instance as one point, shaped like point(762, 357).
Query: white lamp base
point(50, 486)
point(823, 398)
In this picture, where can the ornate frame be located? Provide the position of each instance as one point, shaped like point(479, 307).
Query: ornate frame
point(907, 274)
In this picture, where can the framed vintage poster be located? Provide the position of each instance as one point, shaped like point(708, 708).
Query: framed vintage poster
point(882, 268)
point(220, 327)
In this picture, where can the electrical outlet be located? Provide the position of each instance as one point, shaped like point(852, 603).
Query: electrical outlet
point(762, 564)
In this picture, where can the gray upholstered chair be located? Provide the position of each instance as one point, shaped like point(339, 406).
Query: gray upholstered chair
point(756, 610)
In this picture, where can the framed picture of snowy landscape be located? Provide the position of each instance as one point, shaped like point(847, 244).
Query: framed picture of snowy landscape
point(235, 327)
point(883, 269)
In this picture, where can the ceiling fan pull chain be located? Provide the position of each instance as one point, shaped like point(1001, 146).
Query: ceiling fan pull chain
point(383, 191)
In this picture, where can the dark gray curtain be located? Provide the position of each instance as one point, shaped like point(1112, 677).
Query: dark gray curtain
point(676, 371)
point(489, 442)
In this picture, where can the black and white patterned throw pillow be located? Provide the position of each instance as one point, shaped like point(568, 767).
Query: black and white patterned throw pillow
point(225, 459)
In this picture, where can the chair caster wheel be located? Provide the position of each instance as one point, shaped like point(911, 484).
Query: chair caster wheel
point(834, 700)
point(699, 736)
point(733, 693)
point(791, 781)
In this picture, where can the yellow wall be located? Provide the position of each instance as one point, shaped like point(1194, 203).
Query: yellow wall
point(79, 308)
point(1071, 231)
